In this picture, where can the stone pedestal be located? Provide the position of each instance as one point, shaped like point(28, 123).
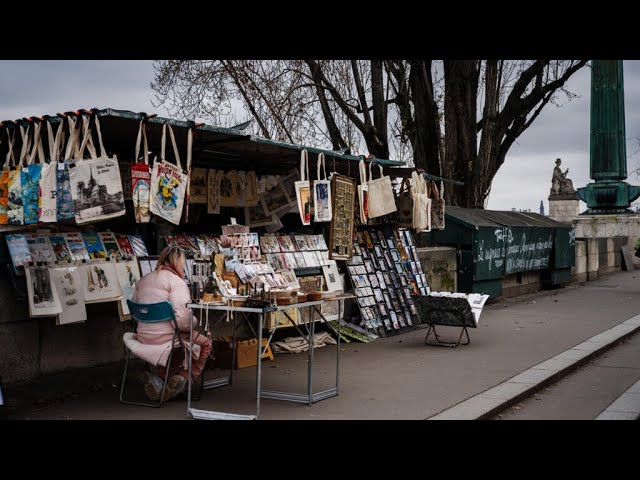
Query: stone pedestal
point(564, 208)
point(604, 236)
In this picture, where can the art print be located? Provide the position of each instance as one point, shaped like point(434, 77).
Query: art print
point(42, 294)
point(40, 249)
point(60, 247)
point(77, 248)
point(100, 282)
point(128, 275)
point(69, 288)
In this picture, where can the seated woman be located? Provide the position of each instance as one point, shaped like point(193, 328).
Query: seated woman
point(166, 283)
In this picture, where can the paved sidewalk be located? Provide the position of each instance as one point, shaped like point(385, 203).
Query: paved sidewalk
point(399, 377)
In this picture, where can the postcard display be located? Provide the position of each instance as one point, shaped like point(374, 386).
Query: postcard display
point(66, 271)
point(386, 275)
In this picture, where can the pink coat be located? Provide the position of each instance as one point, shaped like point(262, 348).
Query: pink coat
point(154, 339)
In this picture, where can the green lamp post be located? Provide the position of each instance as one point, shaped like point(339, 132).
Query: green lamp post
point(609, 194)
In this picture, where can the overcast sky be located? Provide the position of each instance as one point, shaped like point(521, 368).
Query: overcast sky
point(29, 88)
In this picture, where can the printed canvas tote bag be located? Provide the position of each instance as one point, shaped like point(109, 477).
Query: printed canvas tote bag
point(64, 200)
point(381, 199)
point(421, 204)
point(322, 194)
point(47, 206)
point(169, 182)
point(4, 179)
point(404, 204)
point(15, 212)
point(96, 186)
point(437, 206)
point(303, 190)
point(30, 179)
point(141, 179)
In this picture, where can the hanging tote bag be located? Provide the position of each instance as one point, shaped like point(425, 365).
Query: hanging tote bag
point(322, 195)
point(168, 183)
point(437, 206)
point(64, 200)
point(4, 179)
point(30, 179)
point(404, 204)
point(141, 179)
point(15, 212)
point(96, 186)
point(303, 190)
point(47, 206)
point(381, 200)
point(421, 204)
point(363, 193)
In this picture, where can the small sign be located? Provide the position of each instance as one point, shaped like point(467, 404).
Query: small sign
point(233, 221)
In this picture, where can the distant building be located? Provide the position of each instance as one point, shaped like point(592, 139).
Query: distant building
point(541, 207)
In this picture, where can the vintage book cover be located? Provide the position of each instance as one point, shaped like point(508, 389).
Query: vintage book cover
point(139, 248)
point(60, 247)
point(125, 246)
point(94, 245)
point(40, 248)
point(76, 245)
point(18, 249)
point(110, 243)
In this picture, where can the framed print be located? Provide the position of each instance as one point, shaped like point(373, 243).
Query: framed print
point(343, 190)
point(332, 277)
point(395, 255)
point(275, 200)
point(42, 293)
point(373, 279)
point(383, 309)
point(258, 217)
point(412, 308)
point(381, 281)
point(387, 301)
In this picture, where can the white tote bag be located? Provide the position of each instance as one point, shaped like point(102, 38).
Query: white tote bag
point(169, 182)
point(47, 207)
point(381, 199)
point(363, 193)
point(322, 195)
point(421, 204)
point(303, 190)
point(96, 186)
point(141, 179)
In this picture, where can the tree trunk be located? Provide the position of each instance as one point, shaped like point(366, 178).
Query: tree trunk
point(460, 99)
point(425, 132)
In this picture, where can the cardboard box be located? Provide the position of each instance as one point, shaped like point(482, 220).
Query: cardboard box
point(270, 319)
point(246, 352)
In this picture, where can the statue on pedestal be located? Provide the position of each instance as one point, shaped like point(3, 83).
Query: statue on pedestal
point(560, 184)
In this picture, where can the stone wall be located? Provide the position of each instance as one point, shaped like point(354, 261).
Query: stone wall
point(521, 283)
point(564, 210)
point(441, 266)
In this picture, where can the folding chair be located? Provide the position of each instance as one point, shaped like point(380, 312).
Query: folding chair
point(149, 313)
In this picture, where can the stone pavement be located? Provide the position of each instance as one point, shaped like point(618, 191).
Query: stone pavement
point(400, 377)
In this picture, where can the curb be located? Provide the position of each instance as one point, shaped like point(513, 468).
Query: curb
point(487, 404)
point(625, 407)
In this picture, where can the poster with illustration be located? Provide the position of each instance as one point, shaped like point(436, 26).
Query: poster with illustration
point(110, 244)
point(77, 248)
point(43, 297)
point(229, 189)
point(69, 288)
point(100, 282)
point(198, 185)
point(125, 246)
point(40, 248)
point(332, 277)
point(138, 246)
point(94, 245)
point(18, 249)
point(258, 217)
point(128, 274)
point(141, 192)
point(322, 194)
point(214, 180)
point(60, 247)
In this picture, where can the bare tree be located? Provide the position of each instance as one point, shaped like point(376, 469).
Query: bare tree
point(458, 118)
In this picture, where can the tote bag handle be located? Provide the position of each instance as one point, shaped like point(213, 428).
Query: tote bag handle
point(173, 141)
point(304, 162)
point(371, 174)
point(142, 131)
point(10, 155)
point(321, 160)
